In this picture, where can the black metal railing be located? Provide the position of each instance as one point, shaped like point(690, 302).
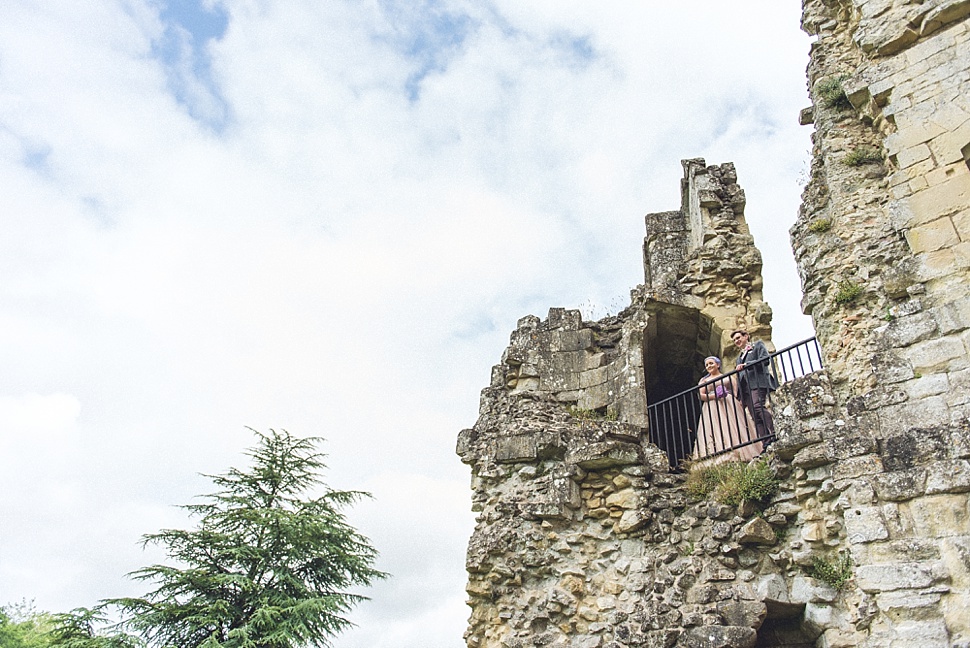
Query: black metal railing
point(722, 418)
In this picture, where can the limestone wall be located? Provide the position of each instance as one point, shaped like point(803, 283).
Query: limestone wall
point(585, 538)
point(896, 506)
point(895, 228)
point(595, 367)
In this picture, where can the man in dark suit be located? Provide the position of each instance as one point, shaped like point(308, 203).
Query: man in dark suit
point(756, 380)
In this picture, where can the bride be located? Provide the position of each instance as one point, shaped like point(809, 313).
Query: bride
point(724, 423)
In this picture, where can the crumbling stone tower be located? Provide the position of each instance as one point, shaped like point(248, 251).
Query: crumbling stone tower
point(565, 548)
point(586, 538)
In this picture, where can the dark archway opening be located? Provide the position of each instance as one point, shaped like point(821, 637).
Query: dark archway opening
point(675, 343)
point(784, 627)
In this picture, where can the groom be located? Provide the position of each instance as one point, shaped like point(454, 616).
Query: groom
point(756, 380)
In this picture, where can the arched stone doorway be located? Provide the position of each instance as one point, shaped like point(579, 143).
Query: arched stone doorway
point(675, 342)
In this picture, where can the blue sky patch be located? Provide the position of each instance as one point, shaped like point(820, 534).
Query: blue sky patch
point(37, 158)
point(183, 49)
point(578, 50)
point(428, 34)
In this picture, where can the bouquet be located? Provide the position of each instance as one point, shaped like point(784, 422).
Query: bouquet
point(720, 392)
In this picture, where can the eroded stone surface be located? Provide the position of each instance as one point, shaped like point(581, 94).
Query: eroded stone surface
point(586, 538)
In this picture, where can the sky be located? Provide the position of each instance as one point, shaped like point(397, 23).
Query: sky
point(327, 217)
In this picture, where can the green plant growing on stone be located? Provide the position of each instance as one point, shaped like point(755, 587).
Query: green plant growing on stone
point(687, 549)
point(863, 155)
point(848, 291)
point(732, 483)
point(820, 225)
point(702, 480)
point(831, 93)
point(582, 414)
point(781, 533)
point(835, 573)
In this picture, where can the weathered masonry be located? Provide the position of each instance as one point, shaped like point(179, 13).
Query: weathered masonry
point(585, 538)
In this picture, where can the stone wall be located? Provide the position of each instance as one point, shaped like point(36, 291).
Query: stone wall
point(703, 256)
point(887, 211)
point(586, 538)
point(896, 506)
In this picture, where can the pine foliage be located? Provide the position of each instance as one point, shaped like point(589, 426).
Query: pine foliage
point(269, 566)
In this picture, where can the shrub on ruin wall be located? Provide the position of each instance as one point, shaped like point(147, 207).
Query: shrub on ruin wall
point(820, 225)
point(863, 155)
point(732, 482)
point(848, 291)
point(835, 573)
point(831, 94)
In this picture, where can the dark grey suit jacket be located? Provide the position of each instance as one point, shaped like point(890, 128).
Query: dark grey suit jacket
point(756, 373)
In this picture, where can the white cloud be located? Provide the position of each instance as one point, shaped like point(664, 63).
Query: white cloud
point(346, 258)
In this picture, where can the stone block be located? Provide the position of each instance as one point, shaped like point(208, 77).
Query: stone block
point(908, 307)
point(934, 265)
point(567, 320)
point(812, 531)
point(961, 255)
point(908, 601)
point(925, 634)
point(607, 454)
point(926, 386)
point(820, 617)
point(814, 456)
point(891, 367)
point(632, 520)
point(884, 394)
point(556, 379)
point(793, 439)
point(807, 590)
point(897, 576)
point(958, 443)
point(595, 360)
point(773, 591)
point(901, 485)
point(595, 397)
point(592, 378)
point(624, 499)
point(939, 515)
point(757, 532)
point(713, 636)
point(940, 200)
point(742, 613)
point(839, 638)
point(914, 447)
point(935, 355)
point(948, 477)
point(855, 467)
point(905, 331)
point(914, 414)
point(911, 136)
point(934, 235)
point(905, 550)
point(575, 340)
point(818, 474)
point(515, 449)
point(865, 524)
point(961, 221)
point(912, 155)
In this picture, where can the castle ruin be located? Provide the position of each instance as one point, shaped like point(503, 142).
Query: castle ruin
point(586, 536)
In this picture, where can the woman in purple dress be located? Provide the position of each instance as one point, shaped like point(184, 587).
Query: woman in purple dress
point(724, 423)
